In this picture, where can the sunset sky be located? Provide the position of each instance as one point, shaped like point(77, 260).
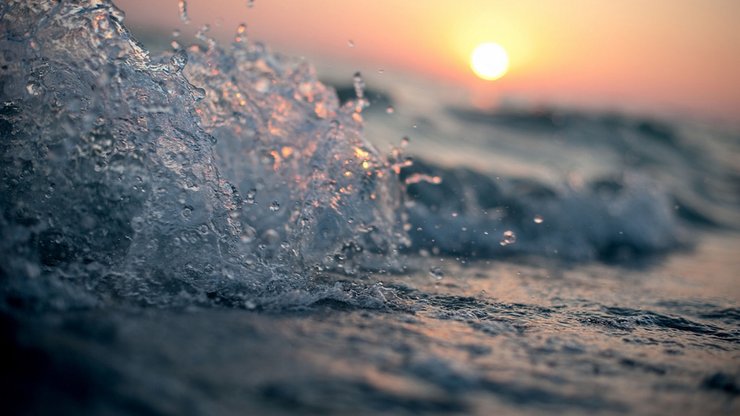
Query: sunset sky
point(673, 56)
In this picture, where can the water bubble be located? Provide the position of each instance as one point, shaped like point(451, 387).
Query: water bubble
point(274, 206)
point(187, 211)
point(507, 238)
point(271, 236)
point(538, 219)
point(437, 273)
point(198, 93)
point(138, 224)
point(247, 236)
point(183, 7)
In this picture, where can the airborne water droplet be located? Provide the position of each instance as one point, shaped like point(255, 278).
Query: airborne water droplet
point(187, 211)
point(351, 43)
point(359, 85)
point(183, 6)
point(538, 219)
point(241, 33)
point(390, 109)
point(202, 35)
point(508, 238)
point(274, 206)
point(437, 273)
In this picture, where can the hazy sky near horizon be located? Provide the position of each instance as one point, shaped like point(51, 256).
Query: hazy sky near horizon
point(675, 56)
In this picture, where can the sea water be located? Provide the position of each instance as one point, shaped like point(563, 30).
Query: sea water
point(211, 229)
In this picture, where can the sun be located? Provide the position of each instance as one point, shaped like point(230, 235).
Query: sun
point(489, 61)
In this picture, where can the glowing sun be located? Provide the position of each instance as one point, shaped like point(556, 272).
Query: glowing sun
point(489, 61)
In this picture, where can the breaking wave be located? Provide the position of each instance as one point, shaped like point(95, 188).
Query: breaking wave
point(183, 173)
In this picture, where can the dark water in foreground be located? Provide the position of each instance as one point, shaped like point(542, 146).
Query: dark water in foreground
point(212, 231)
point(497, 338)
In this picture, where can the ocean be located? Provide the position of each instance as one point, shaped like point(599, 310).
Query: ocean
point(211, 229)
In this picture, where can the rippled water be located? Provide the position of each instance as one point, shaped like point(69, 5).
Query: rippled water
point(212, 230)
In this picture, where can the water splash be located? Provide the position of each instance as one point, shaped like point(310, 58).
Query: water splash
point(143, 161)
point(182, 6)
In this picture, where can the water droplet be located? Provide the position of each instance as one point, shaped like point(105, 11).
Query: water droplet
point(390, 109)
point(437, 272)
point(183, 7)
point(241, 33)
point(178, 60)
point(247, 236)
point(274, 206)
point(202, 36)
point(405, 140)
point(538, 219)
point(250, 3)
point(359, 84)
point(250, 196)
point(351, 43)
point(507, 238)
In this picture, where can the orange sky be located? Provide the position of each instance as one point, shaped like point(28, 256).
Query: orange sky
point(660, 55)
